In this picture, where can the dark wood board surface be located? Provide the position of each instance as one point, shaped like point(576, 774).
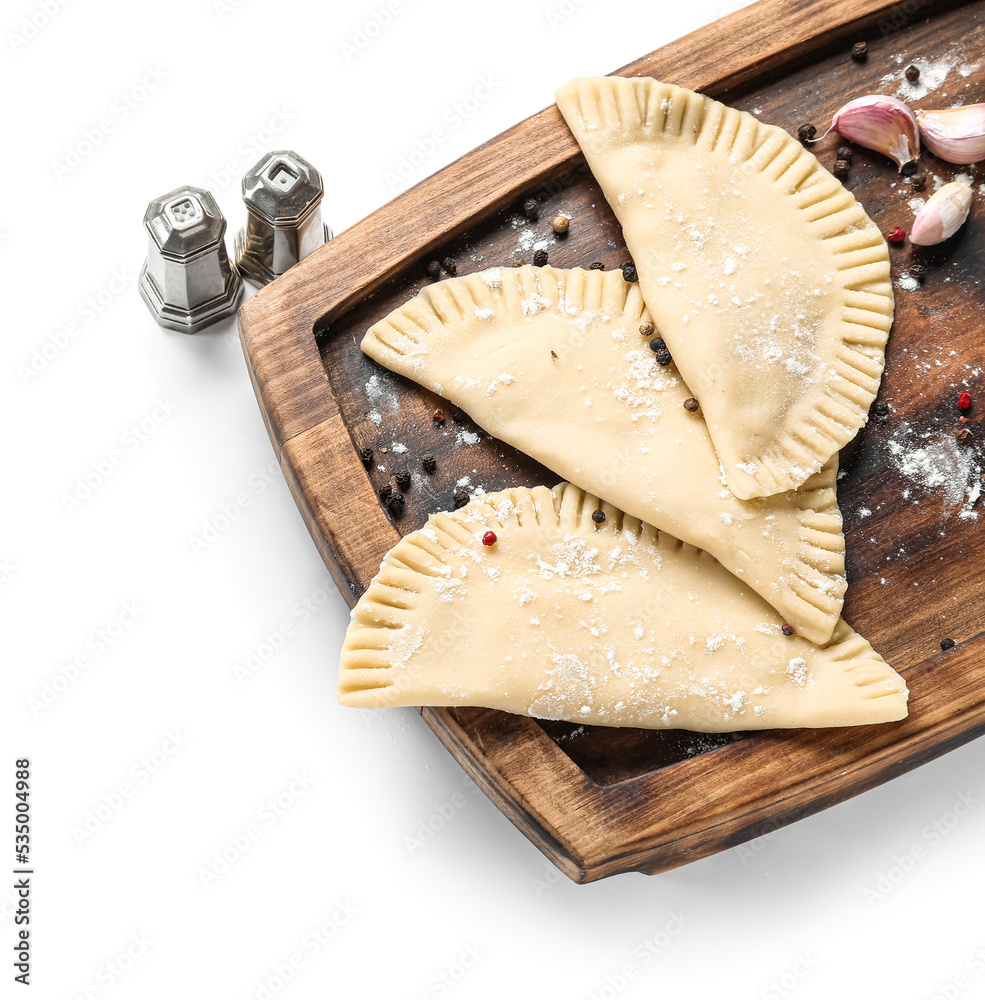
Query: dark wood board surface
point(600, 801)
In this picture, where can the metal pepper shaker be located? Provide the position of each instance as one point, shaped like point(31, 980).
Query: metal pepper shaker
point(283, 195)
point(187, 280)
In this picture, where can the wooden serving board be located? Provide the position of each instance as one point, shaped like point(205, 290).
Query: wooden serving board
point(600, 801)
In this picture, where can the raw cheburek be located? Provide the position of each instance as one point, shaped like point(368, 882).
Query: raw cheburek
point(615, 624)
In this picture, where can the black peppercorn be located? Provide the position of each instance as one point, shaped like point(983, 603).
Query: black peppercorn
point(912, 73)
point(429, 463)
point(918, 181)
point(449, 265)
point(860, 51)
point(598, 516)
point(841, 169)
point(880, 410)
point(395, 503)
point(806, 132)
point(434, 270)
point(947, 644)
point(691, 404)
point(845, 153)
point(366, 456)
point(460, 498)
point(917, 271)
point(402, 479)
point(659, 347)
point(596, 265)
point(530, 210)
point(540, 258)
point(628, 269)
point(909, 168)
point(459, 416)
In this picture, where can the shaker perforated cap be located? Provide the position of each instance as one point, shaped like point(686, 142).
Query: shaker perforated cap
point(187, 280)
point(283, 194)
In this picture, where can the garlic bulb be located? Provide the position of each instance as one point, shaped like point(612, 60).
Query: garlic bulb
point(955, 134)
point(880, 123)
point(943, 215)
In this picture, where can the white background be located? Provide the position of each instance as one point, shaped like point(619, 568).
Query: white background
point(866, 899)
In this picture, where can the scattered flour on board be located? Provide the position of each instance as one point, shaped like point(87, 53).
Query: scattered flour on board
point(528, 242)
point(382, 396)
point(937, 464)
point(933, 72)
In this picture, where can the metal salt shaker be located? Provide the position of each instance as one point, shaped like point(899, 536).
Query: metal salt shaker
point(187, 280)
point(283, 195)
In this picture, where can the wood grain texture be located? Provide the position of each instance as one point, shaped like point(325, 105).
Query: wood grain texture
point(599, 801)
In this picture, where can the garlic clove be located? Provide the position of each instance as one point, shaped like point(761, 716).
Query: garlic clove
point(956, 135)
point(943, 215)
point(880, 123)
